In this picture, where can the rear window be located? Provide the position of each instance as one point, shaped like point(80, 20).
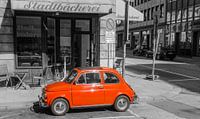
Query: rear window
point(110, 78)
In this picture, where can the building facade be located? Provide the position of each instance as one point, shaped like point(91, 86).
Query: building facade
point(183, 27)
point(141, 33)
point(66, 33)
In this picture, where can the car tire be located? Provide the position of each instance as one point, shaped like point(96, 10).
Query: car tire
point(60, 107)
point(122, 103)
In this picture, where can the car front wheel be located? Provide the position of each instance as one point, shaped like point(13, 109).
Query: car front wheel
point(59, 107)
point(122, 103)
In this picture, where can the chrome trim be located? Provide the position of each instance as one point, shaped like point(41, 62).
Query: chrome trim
point(86, 106)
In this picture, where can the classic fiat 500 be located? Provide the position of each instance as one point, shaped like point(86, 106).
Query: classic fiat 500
point(88, 87)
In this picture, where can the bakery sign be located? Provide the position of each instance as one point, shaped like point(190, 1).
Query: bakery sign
point(69, 6)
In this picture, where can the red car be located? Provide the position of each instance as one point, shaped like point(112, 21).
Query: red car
point(88, 87)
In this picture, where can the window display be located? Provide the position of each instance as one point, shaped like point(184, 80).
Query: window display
point(28, 41)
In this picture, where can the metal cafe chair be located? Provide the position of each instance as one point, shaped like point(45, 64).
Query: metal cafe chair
point(44, 76)
point(21, 75)
point(4, 75)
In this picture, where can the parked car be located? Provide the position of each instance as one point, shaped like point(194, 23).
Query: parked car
point(163, 54)
point(88, 87)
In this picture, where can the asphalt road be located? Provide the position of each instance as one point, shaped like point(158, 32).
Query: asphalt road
point(181, 75)
point(89, 113)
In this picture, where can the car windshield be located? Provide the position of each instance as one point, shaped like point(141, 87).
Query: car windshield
point(71, 76)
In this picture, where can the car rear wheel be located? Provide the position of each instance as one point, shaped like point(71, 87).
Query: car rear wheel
point(122, 103)
point(59, 107)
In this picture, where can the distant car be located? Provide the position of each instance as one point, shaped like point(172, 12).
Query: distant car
point(163, 54)
point(88, 87)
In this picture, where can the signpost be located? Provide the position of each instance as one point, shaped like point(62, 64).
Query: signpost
point(110, 35)
point(155, 44)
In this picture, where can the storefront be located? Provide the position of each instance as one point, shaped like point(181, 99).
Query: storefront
point(61, 33)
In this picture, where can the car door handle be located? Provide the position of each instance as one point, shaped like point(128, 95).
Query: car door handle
point(101, 87)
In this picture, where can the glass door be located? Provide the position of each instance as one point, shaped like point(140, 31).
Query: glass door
point(65, 54)
point(81, 50)
point(51, 41)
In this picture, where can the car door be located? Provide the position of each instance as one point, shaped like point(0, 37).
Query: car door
point(111, 86)
point(88, 90)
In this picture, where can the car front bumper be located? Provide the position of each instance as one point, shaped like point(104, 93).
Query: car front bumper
point(42, 102)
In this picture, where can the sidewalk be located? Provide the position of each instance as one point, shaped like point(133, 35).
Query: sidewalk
point(15, 99)
point(148, 90)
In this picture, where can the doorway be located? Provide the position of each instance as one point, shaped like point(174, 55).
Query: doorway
point(196, 43)
point(81, 50)
point(177, 40)
point(69, 43)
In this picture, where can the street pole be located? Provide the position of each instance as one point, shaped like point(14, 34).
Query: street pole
point(154, 45)
point(126, 34)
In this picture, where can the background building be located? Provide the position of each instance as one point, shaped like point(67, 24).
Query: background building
point(183, 27)
point(72, 33)
point(141, 33)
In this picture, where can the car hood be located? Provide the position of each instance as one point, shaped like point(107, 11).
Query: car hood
point(58, 86)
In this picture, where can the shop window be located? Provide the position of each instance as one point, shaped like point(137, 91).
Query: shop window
point(82, 25)
point(28, 41)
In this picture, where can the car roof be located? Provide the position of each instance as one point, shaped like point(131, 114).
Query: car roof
point(94, 68)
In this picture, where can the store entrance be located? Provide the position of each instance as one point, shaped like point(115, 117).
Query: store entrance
point(196, 43)
point(81, 50)
point(68, 43)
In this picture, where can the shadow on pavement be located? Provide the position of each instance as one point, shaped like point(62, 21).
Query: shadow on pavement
point(37, 109)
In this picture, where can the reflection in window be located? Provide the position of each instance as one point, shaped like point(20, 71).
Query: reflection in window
point(82, 25)
point(89, 78)
point(28, 35)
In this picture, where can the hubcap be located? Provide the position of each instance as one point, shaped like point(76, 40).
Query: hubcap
point(60, 107)
point(122, 104)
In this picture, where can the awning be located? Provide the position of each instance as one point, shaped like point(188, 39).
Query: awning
point(68, 6)
point(134, 14)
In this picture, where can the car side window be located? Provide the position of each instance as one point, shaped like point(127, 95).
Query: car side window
point(93, 78)
point(81, 79)
point(110, 78)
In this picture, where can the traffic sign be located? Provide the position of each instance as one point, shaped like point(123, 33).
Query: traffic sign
point(110, 24)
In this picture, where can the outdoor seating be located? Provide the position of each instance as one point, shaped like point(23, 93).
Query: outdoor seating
point(44, 76)
point(4, 75)
point(21, 75)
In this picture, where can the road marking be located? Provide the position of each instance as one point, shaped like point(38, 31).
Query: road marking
point(192, 77)
point(117, 117)
point(134, 114)
point(182, 80)
point(11, 115)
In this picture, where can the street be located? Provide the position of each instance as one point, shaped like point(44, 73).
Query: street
point(161, 107)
